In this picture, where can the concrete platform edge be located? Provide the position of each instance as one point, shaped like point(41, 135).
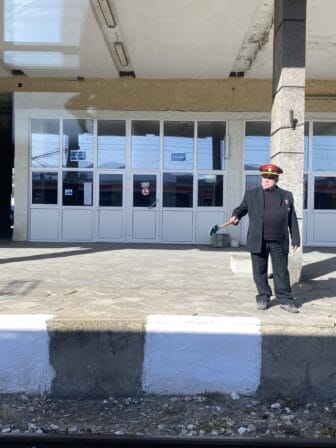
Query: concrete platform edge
point(167, 355)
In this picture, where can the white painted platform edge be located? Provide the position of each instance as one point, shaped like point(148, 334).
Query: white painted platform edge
point(24, 347)
point(199, 354)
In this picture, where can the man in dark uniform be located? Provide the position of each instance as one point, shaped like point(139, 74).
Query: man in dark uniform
point(271, 214)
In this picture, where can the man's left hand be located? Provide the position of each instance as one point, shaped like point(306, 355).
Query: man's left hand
point(294, 248)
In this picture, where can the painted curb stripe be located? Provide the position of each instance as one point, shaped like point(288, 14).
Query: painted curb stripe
point(197, 354)
point(24, 348)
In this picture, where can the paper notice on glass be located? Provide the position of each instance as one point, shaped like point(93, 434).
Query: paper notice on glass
point(76, 155)
point(87, 193)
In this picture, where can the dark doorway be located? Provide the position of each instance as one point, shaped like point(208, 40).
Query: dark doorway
point(6, 165)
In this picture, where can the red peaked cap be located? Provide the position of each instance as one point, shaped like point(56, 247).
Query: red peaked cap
point(271, 169)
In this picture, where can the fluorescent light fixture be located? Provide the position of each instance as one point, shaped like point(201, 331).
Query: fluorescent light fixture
point(118, 46)
point(42, 59)
point(105, 9)
point(31, 22)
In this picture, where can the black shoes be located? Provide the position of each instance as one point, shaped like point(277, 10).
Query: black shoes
point(262, 302)
point(290, 307)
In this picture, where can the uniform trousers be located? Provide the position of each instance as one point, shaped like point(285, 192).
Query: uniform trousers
point(279, 259)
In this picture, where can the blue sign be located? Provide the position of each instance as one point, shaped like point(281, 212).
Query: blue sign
point(178, 156)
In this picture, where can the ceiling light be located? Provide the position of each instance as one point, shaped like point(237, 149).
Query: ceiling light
point(121, 53)
point(105, 9)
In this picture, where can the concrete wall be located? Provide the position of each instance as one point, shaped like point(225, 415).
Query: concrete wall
point(166, 355)
point(96, 358)
point(298, 361)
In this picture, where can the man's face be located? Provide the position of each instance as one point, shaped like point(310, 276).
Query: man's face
point(268, 181)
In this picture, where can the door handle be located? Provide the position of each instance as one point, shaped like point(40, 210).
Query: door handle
point(153, 204)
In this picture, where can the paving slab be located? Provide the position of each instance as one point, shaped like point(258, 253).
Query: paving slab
point(130, 282)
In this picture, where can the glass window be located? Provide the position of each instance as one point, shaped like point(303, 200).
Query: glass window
point(177, 190)
point(210, 145)
point(145, 144)
point(44, 187)
point(305, 191)
point(77, 187)
point(178, 145)
point(111, 144)
point(324, 146)
point(110, 190)
point(257, 144)
point(45, 142)
point(253, 181)
point(210, 190)
point(144, 190)
point(325, 193)
point(78, 143)
point(306, 145)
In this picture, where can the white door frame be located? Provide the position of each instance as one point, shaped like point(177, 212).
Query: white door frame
point(105, 214)
point(136, 216)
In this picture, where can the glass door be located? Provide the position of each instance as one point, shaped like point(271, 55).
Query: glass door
point(144, 179)
point(111, 178)
point(145, 207)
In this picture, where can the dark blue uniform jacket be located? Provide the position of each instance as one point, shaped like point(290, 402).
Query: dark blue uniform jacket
point(253, 204)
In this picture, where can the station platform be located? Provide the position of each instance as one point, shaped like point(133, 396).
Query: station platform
point(83, 320)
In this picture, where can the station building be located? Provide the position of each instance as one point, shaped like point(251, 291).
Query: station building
point(146, 121)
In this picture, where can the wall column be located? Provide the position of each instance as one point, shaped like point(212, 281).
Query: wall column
point(288, 89)
point(234, 173)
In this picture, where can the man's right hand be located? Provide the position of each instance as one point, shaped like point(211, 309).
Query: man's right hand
point(234, 220)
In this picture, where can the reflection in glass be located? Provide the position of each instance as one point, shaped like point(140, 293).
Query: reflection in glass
point(78, 143)
point(144, 190)
point(145, 144)
point(177, 190)
point(257, 144)
point(111, 143)
point(210, 190)
point(44, 187)
point(324, 146)
point(178, 145)
point(45, 142)
point(110, 190)
point(252, 181)
point(325, 193)
point(210, 145)
point(77, 187)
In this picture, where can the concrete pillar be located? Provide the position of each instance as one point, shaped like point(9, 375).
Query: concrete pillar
point(235, 173)
point(21, 166)
point(287, 131)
